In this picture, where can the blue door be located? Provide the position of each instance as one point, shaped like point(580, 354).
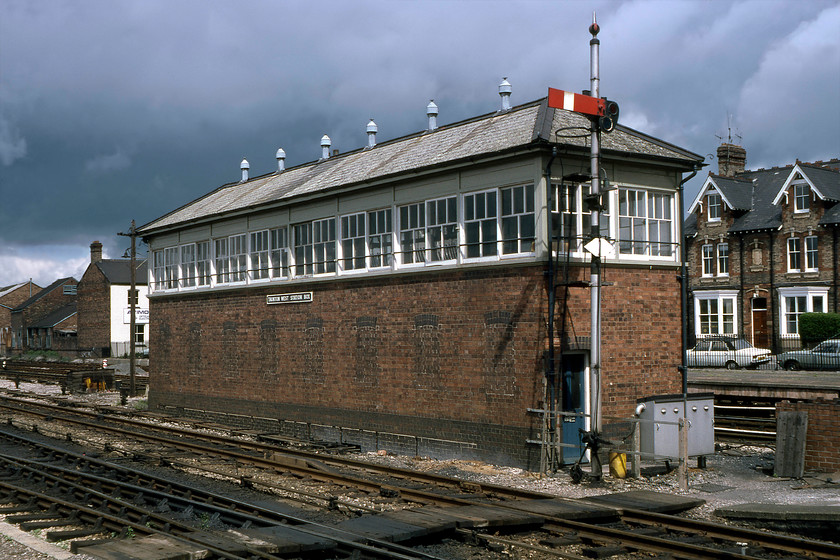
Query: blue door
point(573, 400)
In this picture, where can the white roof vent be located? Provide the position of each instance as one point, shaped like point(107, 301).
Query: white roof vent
point(325, 146)
point(244, 166)
point(281, 160)
point(372, 129)
point(505, 90)
point(432, 113)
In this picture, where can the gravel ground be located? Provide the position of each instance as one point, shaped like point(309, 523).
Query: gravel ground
point(734, 475)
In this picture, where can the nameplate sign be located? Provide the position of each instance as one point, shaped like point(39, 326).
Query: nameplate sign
point(299, 297)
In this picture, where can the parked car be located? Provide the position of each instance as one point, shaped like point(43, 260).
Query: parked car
point(825, 355)
point(731, 353)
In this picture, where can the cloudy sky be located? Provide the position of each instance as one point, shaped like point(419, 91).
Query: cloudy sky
point(120, 110)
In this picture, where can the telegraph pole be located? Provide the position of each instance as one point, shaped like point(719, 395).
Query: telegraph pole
point(133, 301)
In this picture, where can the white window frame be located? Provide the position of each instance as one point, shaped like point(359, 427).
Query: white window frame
point(279, 259)
point(794, 254)
point(353, 242)
point(442, 230)
point(517, 220)
point(412, 234)
point(812, 261)
point(157, 270)
point(203, 261)
point(641, 212)
point(722, 317)
point(806, 299)
point(188, 265)
point(707, 257)
point(801, 197)
point(380, 238)
point(723, 259)
point(259, 263)
point(238, 251)
point(221, 261)
point(170, 267)
point(714, 205)
point(481, 231)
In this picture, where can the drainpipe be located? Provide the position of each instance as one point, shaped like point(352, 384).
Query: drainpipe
point(772, 295)
point(836, 267)
point(683, 367)
point(741, 274)
point(550, 372)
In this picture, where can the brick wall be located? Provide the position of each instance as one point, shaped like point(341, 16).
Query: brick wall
point(453, 356)
point(94, 321)
point(822, 440)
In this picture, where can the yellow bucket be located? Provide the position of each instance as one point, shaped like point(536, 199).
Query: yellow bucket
point(618, 465)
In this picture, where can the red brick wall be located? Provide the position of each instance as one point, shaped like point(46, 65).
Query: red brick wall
point(822, 440)
point(454, 355)
point(94, 330)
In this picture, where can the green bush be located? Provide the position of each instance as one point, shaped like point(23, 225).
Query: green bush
point(816, 327)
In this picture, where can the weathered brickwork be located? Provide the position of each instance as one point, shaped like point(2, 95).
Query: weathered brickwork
point(822, 446)
point(94, 306)
point(448, 361)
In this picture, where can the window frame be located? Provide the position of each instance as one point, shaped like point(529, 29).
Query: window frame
point(484, 222)
point(714, 200)
point(794, 254)
point(812, 261)
point(188, 277)
point(650, 201)
point(259, 256)
point(801, 197)
point(352, 238)
point(707, 258)
point(722, 259)
point(523, 217)
point(442, 230)
point(806, 299)
point(723, 317)
point(384, 259)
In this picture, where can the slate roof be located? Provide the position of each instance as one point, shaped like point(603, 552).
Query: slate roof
point(523, 127)
point(737, 192)
point(118, 271)
point(755, 192)
point(53, 318)
point(42, 293)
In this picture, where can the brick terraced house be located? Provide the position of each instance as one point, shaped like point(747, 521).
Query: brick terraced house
point(763, 249)
point(47, 320)
point(11, 297)
point(395, 296)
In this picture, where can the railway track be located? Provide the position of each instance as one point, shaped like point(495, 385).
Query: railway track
point(746, 420)
point(249, 462)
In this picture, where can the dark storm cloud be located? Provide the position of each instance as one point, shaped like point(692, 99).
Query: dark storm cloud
point(113, 111)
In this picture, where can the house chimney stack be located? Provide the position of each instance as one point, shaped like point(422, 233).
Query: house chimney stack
point(244, 166)
point(732, 159)
point(95, 252)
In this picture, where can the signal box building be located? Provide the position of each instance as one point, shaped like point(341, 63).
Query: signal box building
point(763, 248)
point(396, 296)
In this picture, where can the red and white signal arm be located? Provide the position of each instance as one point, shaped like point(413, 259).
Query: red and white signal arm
point(579, 103)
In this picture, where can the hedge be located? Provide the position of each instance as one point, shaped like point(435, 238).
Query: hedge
point(816, 327)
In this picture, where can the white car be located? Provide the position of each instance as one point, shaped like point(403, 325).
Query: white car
point(731, 353)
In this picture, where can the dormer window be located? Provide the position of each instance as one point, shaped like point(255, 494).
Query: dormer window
point(715, 207)
point(801, 197)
